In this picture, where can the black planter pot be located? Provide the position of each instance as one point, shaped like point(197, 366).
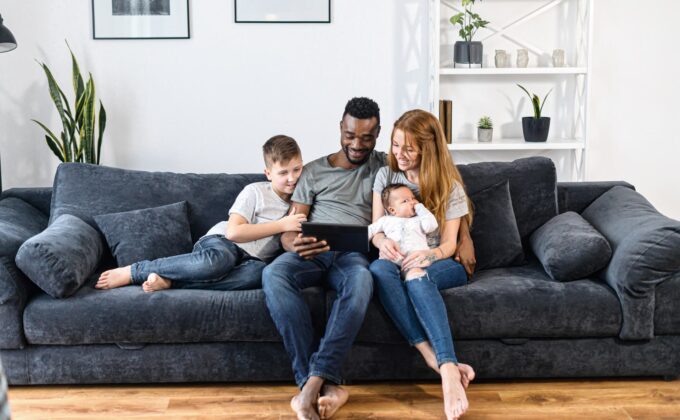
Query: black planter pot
point(535, 129)
point(467, 54)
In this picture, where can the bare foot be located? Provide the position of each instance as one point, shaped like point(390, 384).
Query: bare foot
point(155, 283)
point(467, 374)
point(333, 397)
point(117, 277)
point(303, 408)
point(455, 400)
point(426, 351)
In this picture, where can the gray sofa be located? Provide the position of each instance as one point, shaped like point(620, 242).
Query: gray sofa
point(508, 322)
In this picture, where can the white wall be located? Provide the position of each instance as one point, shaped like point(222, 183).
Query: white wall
point(207, 104)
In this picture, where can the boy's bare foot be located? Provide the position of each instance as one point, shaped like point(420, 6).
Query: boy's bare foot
point(155, 283)
point(467, 374)
point(117, 277)
point(333, 397)
point(304, 408)
point(455, 400)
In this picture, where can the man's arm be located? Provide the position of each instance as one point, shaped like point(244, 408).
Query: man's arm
point(306, 247)
point(465, 251)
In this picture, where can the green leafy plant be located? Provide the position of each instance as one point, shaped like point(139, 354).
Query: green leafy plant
point(76, 142)
point(485, 122)
point(536, 102)
point(468, 21)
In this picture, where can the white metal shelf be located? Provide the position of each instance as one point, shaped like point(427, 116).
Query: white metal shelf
point(517, 144)
point(490, 71)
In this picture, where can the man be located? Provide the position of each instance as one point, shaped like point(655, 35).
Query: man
point(333, 189)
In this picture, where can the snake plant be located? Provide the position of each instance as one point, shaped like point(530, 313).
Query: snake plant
point(536, 102)
point(76, 142)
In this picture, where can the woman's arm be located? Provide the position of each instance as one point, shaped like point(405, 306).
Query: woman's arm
point(446, 248)
point(239, 230)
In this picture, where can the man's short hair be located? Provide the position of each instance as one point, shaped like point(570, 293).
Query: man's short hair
point(280, 148)
point(385, 195)
point(362, 108)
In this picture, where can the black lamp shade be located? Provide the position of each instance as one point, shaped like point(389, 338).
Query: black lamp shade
point(7, 41)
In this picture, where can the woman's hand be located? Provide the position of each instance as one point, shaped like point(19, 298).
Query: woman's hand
point(389, 250)
point(419, 259)
point(465, 254)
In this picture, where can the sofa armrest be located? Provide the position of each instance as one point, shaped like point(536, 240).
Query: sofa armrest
point(576, 196)
point(18, 222)
point(645, 252)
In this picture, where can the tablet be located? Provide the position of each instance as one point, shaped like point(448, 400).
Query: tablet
point(349, 238)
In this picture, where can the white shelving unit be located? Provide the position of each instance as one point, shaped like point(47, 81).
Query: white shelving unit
point(443, 73)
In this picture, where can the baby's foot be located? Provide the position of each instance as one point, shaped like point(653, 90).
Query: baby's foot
point(155, 283)
point(118, 277)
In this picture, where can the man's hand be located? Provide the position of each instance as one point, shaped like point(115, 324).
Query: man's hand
point(465, 254)
point(389, 250)
point(308, 247)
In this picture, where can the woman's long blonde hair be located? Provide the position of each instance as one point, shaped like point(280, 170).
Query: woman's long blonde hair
point(437, 173)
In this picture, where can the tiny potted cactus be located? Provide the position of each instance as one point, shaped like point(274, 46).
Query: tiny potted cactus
point(485, 129)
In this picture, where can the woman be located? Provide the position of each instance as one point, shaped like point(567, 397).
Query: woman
point(420, 159)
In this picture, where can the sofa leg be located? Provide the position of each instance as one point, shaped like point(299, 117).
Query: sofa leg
point(669, 378)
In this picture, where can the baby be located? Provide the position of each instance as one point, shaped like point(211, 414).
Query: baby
point(408, 224)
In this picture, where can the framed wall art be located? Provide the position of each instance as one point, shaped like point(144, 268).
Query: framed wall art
point(140, 19)
point(277, 11)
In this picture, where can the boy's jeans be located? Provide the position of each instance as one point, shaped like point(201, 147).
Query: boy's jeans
point(283, 281)
point(216, 263)
point(416, 306)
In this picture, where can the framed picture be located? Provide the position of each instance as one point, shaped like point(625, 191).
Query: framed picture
point(140, 19)
point(277, 11)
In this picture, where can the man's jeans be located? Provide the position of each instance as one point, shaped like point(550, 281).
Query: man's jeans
point(216, 263)
point(416, 306)
point(283, 281)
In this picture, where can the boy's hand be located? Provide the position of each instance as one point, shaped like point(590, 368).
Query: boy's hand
point(292, 222)
point(308, 247)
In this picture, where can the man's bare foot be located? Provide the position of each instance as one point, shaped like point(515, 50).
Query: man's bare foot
point(332, 398)
point(155, 283)
point(117, 277)
point(304, 409)
point(467, 374)
point(455, 400)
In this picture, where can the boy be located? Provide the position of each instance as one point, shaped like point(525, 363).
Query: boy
point(232, 255)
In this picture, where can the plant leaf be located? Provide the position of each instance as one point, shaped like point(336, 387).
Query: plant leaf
point(102, 126)
point(78, 86)
point(87, 141)
point(56, 94)
point(54, 146)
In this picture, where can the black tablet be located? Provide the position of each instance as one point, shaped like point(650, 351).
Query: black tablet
point(349, 238)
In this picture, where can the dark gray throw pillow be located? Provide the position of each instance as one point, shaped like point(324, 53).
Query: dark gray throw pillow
point(61, 258)
point(570, 248)
point(147, 234)
point(494, 228)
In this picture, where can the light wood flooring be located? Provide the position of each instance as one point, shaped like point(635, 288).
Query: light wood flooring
point(537, 399)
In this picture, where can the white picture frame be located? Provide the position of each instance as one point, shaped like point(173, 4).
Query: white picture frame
point(278, 11)
point(140, 19)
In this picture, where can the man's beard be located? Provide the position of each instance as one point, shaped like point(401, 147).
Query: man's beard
point(354, 161)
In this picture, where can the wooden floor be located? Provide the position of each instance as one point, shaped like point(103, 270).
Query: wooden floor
point(586, 399)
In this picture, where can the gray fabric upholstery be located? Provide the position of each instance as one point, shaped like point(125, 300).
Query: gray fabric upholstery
point(570, 248)
point(494, 229)
point(39, 198)
point(18, 222)
point(646, 252)
point(576, 196)
point(147, 234)
point(62, 257)
point(128, 315)
point(666, 313)
point(88, 190)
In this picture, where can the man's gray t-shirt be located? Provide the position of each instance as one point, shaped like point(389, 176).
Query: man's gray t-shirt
point(338, 195)
point(257, 203)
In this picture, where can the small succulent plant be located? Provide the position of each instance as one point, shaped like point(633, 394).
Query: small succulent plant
point(485, 123)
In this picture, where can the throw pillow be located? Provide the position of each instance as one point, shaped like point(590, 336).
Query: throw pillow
point(494, 229)
point(570, 248)
point(61, 258)
point(147, 234)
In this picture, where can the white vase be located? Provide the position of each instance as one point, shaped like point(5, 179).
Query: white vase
point(558, 58)
point(522, 57)
point(501, 59)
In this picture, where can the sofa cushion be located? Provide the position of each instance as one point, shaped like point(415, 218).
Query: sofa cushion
point(62, 257)
point(494, 229)
point(128, 315)
point(18, 222)
point(147, 234)
point(85, 191)
point(533, 188)
point(515, 302)
point(570, 248)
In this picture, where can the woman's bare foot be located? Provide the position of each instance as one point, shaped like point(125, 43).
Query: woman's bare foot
point(467, 374)
point(155, 283)
point(426, 351)
point(455, 400)
point(332, 398)
point(303, 408)
point(118, 277)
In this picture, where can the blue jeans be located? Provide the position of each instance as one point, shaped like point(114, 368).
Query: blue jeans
point(216, 263)
point(283, 281)
point(416, 306)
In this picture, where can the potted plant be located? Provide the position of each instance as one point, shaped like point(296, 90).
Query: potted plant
point(536, 128)
point(485, 129)
point(468, 52)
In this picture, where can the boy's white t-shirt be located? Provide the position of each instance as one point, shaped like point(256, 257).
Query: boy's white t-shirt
point(257, 203)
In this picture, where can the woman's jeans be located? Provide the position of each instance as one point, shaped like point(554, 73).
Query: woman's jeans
point(216, 263)
point(416, 306)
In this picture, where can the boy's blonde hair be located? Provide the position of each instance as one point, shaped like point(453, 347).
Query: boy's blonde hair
point(281, 149)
